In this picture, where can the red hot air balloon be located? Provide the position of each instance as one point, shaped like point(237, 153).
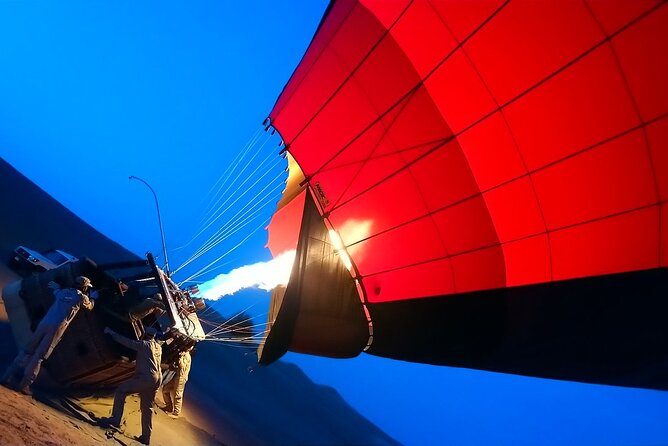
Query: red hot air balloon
point(496, 173)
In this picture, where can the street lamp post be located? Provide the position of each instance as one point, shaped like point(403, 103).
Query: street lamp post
point(162, 234)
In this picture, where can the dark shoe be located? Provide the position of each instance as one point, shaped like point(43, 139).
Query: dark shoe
point(26, 390)
point(109, 423)
point(142, 439)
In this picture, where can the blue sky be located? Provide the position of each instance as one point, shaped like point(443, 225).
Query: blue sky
point(92, 92)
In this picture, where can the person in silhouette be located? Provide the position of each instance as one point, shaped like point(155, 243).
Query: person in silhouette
point(172, 391)
point(145, 381)
point(151, 305)
point(50, 330)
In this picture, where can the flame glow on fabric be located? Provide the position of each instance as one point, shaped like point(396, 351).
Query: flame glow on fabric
point(507, 160)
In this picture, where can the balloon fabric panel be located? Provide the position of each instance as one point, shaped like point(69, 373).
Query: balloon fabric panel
point(464, 146)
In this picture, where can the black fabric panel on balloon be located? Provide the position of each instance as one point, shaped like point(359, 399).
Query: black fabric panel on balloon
point(605, 330)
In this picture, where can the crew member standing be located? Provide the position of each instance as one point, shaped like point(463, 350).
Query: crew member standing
point(50, 330)
point(172, 391)
point(145, 381)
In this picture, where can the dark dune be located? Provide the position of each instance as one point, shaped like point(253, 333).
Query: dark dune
point(228, 395)
point(32, 217)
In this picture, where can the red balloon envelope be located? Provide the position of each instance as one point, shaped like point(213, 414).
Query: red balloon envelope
point(497, 172)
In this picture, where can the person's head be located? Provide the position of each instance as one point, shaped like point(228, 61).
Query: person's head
point(83, 283)
point(150, 333)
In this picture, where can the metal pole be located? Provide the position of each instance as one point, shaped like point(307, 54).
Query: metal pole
point(162, 234)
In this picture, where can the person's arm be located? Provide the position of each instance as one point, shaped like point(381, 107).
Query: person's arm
point(87, 302)
point(129, 343)
point(62, 294)
point(54, 286)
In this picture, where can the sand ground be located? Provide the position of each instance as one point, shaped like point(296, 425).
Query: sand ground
point(51, 419)
point(26, 420)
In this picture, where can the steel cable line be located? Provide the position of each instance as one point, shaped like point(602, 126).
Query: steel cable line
point(207, 215)
point(209, 268)
point(224, 329)
point(221, 234)
point(239, 313)
point(251, 141)
point(264, 223)
point(214, 238)
point(242, 215)
point(217, 214)
point(225, 175)
point(225, 236)
point(247, 190)
point(233, 182)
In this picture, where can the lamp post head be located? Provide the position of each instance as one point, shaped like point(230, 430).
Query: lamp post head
point(162, 234)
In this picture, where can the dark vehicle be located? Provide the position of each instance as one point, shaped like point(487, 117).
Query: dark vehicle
point(130, 296)
point(25, 260)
